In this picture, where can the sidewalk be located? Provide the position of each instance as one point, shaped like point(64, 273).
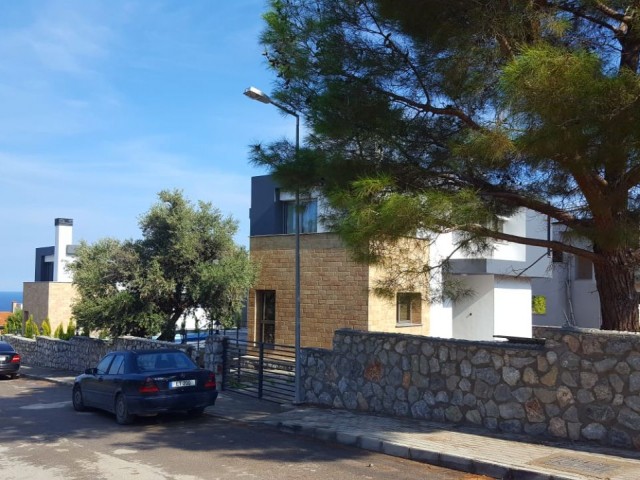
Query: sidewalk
point(452, 446)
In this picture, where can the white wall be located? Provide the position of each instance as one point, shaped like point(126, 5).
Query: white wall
point(499, 306)
point(440, 314)
point(512, 301)
point(473, 314)
point(514, 225)
point(569, 301)
point(64, 238)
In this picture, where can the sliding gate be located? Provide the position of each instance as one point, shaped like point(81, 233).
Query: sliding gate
point(262, 370)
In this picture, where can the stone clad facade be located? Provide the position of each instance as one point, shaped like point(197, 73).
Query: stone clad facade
point(578, 384)
point(52, 300)
point(335, 291)
point(333, 288)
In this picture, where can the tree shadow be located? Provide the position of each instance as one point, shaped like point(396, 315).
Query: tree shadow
point(39, 412)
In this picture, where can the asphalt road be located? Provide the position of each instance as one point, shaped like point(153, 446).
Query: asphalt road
point(42, 437)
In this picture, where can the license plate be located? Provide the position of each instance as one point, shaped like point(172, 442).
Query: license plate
point(182, 383)
point(3, 358)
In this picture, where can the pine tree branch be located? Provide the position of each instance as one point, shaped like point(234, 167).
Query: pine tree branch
point(566, 7)
point(534, 242)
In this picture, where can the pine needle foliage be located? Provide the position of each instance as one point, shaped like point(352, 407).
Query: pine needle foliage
point(432, 116)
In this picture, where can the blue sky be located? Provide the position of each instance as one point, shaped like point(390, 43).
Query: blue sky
point(105, 103)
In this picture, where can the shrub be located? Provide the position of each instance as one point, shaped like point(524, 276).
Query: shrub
point(14, 322)
point(59, 333)
point(46, 327)
point(31, 329)
point(71, 330)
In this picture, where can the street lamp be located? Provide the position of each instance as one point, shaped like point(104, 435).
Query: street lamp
point(256, 94)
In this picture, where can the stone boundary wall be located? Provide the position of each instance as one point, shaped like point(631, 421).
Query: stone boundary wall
point(581, 385)
point(80, 353)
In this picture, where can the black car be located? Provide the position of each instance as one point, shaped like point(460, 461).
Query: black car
point(145, 382)
point(9, 360)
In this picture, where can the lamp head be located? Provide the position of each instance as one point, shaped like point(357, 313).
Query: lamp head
point(256, 94)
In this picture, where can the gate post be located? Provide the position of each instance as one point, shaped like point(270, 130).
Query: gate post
point(214, 347)
point(261, 370)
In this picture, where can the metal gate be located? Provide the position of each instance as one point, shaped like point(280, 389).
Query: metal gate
point(262, 370)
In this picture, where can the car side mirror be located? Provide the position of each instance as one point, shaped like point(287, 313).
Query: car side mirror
point(91, 371)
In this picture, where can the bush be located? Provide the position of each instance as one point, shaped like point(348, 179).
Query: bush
point(71, 330)
point(31, 329)
point(59, 333)
point(46, 327)
point(14, 322)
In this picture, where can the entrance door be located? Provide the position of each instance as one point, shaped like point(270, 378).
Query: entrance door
point(266, 316)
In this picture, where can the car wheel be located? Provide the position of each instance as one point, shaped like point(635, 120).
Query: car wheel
point(78, 402)
point(195, 412)
point(123, 417)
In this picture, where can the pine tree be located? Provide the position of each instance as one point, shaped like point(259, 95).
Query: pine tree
point(439, 116)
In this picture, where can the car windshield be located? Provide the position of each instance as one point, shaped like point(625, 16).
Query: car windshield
point(152, 361)
point(5, 347)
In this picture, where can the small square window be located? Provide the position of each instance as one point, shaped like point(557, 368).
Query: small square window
point(408, 308)
point(557, 256)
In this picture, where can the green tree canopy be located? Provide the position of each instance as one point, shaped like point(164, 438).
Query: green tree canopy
point(186, 260)
point(441, 115)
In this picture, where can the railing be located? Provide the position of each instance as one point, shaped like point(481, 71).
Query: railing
point(261, 370)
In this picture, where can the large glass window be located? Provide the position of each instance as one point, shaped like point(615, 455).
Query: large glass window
point(408, 308)
point(308, 216)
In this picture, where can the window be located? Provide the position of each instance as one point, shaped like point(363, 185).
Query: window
point(584, 269)
point(117, 367)
point(103, 366)
point(266, 316)
point(147, 362)
point(408, 308)
point(308, 216)
point(557, 256)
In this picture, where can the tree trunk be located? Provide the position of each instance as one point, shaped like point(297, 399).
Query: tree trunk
point(618, 297)
point(168, 333)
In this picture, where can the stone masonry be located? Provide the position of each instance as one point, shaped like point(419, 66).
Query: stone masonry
point(80, 353)
point(578, 385)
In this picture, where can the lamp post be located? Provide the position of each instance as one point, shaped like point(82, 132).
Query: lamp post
point(262, 97)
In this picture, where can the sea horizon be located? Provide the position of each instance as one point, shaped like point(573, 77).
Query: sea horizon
point(7, 297)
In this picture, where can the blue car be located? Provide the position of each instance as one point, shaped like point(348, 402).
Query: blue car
point(9, 360)
point(145, 382)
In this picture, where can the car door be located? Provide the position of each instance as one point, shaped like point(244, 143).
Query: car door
point(112, 381)
point(92, 386)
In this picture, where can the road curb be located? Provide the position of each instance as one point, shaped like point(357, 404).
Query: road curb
point(454, 462)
